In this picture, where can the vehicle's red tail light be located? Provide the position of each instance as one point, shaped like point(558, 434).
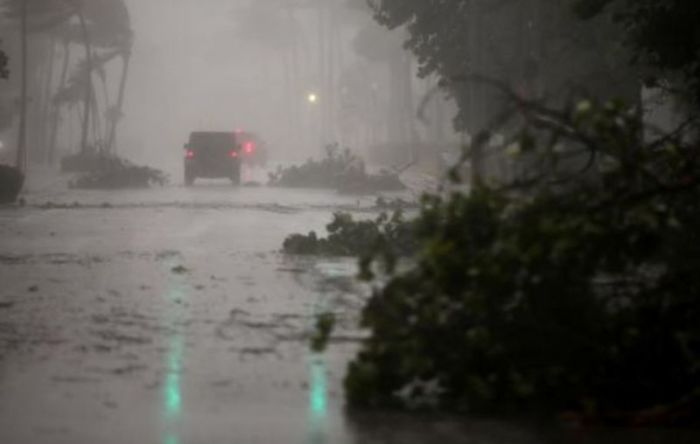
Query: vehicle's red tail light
point(233, 153)
point(249, 147)
point(189, 154)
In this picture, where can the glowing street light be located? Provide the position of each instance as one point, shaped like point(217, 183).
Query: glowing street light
point(312, 98)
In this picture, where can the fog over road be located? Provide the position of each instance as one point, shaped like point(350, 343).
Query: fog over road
point(170, 316)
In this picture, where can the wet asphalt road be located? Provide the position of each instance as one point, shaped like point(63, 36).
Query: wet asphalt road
point(170, 316)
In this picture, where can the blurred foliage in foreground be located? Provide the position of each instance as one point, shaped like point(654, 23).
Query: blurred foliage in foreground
point(339, 170)
point(575, 289)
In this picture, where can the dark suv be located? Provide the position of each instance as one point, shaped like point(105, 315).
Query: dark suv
point(212, 154)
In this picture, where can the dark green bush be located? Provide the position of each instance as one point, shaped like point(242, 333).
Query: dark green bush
point(391, 235)
point(11, 181)
point(108, 172)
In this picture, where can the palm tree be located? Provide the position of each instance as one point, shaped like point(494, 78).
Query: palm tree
point(56, 109)
point(112, 29)
point(100, 24)
point(33, 15)
point(88, 75)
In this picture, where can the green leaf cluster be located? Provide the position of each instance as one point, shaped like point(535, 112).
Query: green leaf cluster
point(323, 328)
point(340, 170)
point(391, 235)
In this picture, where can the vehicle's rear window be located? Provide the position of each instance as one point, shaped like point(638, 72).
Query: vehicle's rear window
point(204, 140)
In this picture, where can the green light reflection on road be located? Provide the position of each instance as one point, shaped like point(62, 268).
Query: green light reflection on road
point(318, 400)
point(172, 390)
point(172, 399)
point(171, 439)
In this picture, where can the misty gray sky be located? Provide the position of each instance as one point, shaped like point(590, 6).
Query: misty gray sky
point(194, 67)
point(191, 71)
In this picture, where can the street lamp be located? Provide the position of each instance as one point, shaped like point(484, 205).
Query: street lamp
point(312, 98)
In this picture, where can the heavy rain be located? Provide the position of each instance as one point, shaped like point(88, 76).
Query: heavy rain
point(349, 221)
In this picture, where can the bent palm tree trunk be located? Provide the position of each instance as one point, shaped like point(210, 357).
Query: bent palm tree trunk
point(115, 115)
point(56, 107)
point(88, 82)
point(46, 106)
point(96, 127)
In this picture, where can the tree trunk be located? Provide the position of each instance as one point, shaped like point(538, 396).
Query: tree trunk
point(331, 27)
point(96, 128)
point(114, 119)
point(88, 81)
point(46, 108)
point(56, 108)
point(288, 96)
point(399, 81)
point(323, 65)
point(21, 161)
point(410, 110)
point(296, 110)
point(296, 95)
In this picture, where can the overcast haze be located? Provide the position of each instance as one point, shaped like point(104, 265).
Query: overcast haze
point(349, 221)
point(193, 69)
point(190, 72)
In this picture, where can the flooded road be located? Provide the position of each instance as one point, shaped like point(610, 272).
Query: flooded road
point(170, 316)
